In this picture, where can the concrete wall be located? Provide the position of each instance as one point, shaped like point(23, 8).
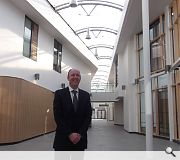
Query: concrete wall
point(119, 112)
point(110, 112)
point(103, 97)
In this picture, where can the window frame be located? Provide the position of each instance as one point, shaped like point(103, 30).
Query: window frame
point(33, 42)
point(57, 56)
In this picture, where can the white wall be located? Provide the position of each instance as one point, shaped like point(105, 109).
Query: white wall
point(123, 80)
point(131, 98)
point(126, 76)
point(122, 74)
point(13, 63)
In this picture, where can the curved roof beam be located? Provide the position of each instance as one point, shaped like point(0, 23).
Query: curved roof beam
point(104, 57)
point(101, 46)
point(103, 65)
point(97, 29)
point(101, 75)
point(91, 2)
point(97, 82)
point(103, 71)
point(103, 79)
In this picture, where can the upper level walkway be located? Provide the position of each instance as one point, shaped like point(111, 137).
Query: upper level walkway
point(102, 136)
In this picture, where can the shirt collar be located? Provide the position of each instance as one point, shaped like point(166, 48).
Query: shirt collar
point(71, 89)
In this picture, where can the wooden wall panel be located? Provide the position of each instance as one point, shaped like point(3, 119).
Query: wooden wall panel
point(23, 110)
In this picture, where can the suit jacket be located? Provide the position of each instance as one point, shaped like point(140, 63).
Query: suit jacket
point(69, 121)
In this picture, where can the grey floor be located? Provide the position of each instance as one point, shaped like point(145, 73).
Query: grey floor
point(103, 136)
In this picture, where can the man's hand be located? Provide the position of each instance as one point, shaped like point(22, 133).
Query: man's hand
point(74, 137)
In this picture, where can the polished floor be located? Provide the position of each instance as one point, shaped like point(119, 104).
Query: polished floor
point(102, 136)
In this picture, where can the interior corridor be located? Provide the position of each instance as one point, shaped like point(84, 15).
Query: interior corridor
point(102, 136)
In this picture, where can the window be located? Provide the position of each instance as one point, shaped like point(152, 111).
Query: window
point(156, 56)
point(157, 39)
point(30, 39)
point(155, 30)
point(157, 48)
point(140, 55)
point(159, 93)
point(142, 107)
point(57, 56)
point(160, 105)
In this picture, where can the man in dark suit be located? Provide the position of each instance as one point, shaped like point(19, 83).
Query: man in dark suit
point(72, 113)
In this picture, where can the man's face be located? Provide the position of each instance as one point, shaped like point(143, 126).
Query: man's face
point(74, 78)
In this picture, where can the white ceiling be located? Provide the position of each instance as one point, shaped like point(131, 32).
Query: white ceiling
point(103, 19)
point(101, 16)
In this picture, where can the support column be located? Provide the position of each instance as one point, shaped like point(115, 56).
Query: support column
point(147, 78)
point(170, 74)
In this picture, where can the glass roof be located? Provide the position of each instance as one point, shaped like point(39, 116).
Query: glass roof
point(96, 23)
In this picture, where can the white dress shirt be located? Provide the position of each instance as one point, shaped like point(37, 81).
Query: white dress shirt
point(70, 90)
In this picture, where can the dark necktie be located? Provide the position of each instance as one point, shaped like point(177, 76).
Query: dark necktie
point(75, 100)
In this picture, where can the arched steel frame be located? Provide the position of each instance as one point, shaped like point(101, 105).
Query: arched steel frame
point(91, 2)
point(101, 46)
point(97, 29)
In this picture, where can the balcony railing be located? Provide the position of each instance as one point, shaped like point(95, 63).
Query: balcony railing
point(105, 87)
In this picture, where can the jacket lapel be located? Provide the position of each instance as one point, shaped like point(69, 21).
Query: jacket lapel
point(80, 96)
